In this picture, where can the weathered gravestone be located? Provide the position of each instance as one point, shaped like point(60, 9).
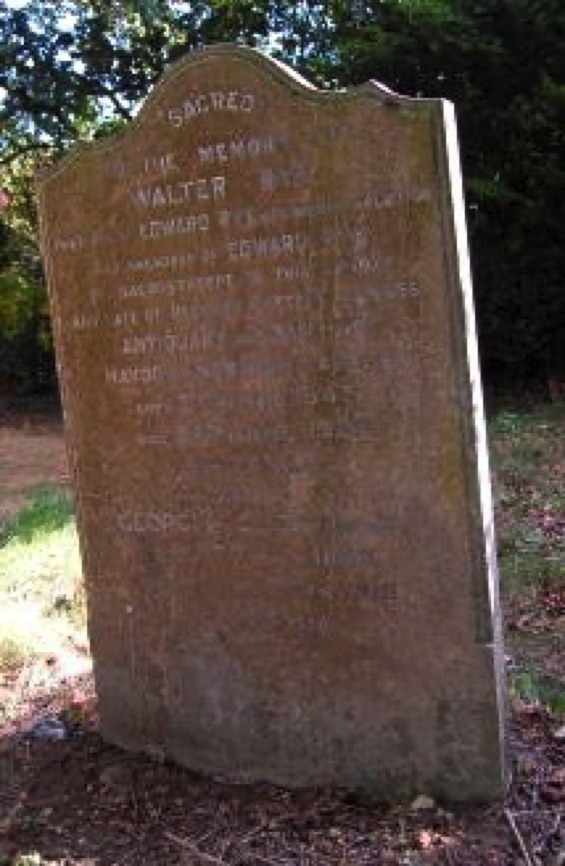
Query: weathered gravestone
point(264, 328)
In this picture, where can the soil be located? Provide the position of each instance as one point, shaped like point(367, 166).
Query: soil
point(32, 452)
point(77, 801)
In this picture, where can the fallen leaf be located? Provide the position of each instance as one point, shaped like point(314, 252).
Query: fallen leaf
point(423, 802)
point(554, 788)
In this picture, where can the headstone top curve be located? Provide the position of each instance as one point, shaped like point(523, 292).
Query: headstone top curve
point(276, 69)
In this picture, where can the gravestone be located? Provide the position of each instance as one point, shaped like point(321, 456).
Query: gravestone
point(264, 327)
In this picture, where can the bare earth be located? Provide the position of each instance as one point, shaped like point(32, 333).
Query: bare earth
point(32, 454)
point(80, 802)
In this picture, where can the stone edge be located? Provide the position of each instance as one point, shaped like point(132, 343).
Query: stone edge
point(279, 71)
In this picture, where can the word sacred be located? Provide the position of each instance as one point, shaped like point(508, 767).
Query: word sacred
point(204, 103)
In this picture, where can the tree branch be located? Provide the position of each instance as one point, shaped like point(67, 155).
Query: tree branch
point(122, 111)
point(97, 88)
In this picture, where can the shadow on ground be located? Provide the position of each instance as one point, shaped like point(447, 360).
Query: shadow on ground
point(77, 801)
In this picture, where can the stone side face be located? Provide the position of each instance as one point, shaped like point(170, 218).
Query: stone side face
point(265, 339)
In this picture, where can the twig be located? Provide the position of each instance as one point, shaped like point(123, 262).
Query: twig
point(279, 821)
point(518, 836)
point(554, 832)
point(263, 859)
point(7, 822)
point(186, 843)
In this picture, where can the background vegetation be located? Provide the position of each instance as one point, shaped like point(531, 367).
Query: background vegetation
point(75, 69)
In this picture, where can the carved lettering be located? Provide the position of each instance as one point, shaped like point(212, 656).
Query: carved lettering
point(214, 283)
point(184, 225)
point(293, 177)
point(172, 344)
point(233, 101)
point(74, 244)
point(236, 149)
point(267, 247)
point(133, 375)
point(163, 163)
point(182, 192)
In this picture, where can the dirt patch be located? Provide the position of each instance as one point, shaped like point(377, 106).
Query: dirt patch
point(80, 801)
point(32, 453)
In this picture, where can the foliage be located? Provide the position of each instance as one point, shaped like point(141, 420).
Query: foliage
point(73, 69)
point(501, 62)
point(26, 359)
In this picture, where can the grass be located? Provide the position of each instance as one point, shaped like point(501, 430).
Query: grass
point(528, 454)
point(47, 510)
point(528, 458)
point(531, 687)
point(40, 579)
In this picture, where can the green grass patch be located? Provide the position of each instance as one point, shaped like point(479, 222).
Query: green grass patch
point(528, 456)
point(529, 572)
point(46, 571)
point(47, 510)
point(531, 686)
point(41, 597)
point(528, 459)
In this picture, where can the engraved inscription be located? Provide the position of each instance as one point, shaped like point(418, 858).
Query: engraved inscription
point(237, 149)
point(260, 326)
point(200, 105)
point(204, 189)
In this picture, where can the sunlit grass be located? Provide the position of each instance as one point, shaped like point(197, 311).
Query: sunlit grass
point(41, 597)
point(46, 510)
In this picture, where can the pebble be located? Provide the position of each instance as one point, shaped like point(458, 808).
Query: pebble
point(50, 729)
point(423, 802)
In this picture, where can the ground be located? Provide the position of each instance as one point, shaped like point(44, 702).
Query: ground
point(76, 801)
point(32, 452)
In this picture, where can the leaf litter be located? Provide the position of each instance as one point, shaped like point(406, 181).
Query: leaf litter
point(79, 800)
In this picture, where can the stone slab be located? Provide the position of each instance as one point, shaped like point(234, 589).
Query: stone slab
point(264, 328)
